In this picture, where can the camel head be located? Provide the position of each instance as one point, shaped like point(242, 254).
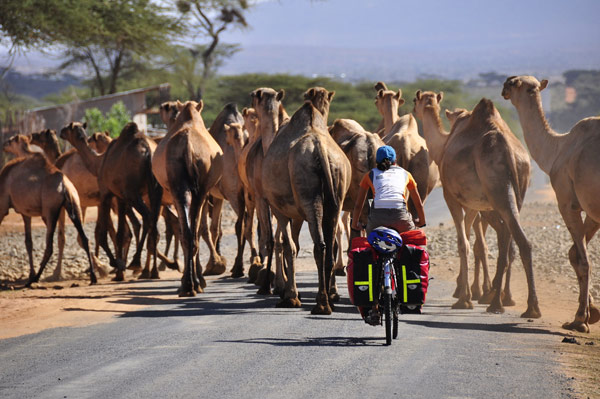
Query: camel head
point(517, 88)
point(320, 99)
point(386, 100)
point(74, 132)
point(168, 112)
point(457, 116)
point(266, 102)
point(250, 120)
point(235, 137)
point(426, 99)
point(99, 141)
point(17, 145)
point(380, 86)
point(45, 139)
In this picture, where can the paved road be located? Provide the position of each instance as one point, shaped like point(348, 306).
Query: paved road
point(231, 343)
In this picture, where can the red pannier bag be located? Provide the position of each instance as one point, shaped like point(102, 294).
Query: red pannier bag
point(412, 274)
point(362, 273)
point(415, 237)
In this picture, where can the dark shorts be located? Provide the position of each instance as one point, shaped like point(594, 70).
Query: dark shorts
point(397, 219)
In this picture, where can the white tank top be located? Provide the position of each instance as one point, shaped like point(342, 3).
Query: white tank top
point(390, 187)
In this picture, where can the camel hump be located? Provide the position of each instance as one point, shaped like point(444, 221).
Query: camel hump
point(484, 108)
point(129, 130)
point(231, 107)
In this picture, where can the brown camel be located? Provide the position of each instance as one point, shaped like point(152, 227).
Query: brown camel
point(305, 176)
point(188, 163)
point(32, 186)
point(571, 160)
point(484, 168)
point(401, 133)
point(123, 172)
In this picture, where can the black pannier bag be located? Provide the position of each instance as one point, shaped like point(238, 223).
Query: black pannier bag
point(412, 275)
point(363, 277)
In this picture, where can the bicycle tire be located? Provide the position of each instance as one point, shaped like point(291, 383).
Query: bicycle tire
point(395, 321)
point(387, 307)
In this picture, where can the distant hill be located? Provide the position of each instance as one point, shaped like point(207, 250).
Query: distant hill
point(38, 85)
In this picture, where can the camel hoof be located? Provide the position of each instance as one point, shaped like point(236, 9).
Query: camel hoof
point(532, 312)
point(54, 278)
point(144, 275)
point(594, 314)
point(463, 304)
point(340, 272)
point(93, 279)
point(456, 292)
point(237, 270)
point(187, 292)
point(173, 266)
point(154, 275)
point(335, 297)
point(487, 298)
point(320, 309)
point(578, 326)
point(495, 308)
point(215, 268)
point(263, 291)
point(202, 282)
point(253, 272)
point(289, 303)
point(135, 265)
point(508, 301)
point(119, 276)
point(162, 266)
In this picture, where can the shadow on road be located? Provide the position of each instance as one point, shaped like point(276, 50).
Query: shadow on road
point(511, 328)
point(314, 341)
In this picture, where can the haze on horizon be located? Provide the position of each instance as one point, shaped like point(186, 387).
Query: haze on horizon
point(395, 39)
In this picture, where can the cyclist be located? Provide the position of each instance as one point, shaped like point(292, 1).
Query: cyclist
point(389, 184)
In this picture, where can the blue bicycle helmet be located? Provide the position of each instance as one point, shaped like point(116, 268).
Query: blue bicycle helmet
point(385, 240)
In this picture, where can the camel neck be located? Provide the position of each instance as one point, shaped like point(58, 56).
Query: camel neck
point(434, 133)
point(543, 143)
point(91, 160)
point(267, 130)
point(389, 119)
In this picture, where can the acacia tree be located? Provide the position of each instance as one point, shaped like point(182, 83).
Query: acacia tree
point(209, 19)
point(108, 37)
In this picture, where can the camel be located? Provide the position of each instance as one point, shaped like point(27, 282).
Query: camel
point(484, 168)
point(188, 163)
point(401, 132)
point(32, 186)
point(305, 176)
point(571, 161)
point(123, 172)
point(270, 113)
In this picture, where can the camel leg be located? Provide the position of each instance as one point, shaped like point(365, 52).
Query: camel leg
point(339, 262)
point(135, 224)
point(579, 260)
point(240, 207)
point(590, 227)
point(57, 275)
point(330, 228)
point(265, 245)
point(216, 264)
point(464, 296)
point(503, 235)
point(255, 262)
point(171, 234)
point(139, 205)
point(29, 246)
point(101, 237)
point(507, 299)
point(50, 219)
point(155, 197)
point(280, 266)
point(284, 237)
point(75, 215)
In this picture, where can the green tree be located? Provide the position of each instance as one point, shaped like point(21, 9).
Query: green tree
point(113, 122)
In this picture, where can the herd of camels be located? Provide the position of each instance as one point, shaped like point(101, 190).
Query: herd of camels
point(300, 169)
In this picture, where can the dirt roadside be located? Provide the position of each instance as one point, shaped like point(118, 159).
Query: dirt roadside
point(74, 303)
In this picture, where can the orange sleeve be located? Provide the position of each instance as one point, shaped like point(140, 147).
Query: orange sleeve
point(412, 184)
point(367, 183)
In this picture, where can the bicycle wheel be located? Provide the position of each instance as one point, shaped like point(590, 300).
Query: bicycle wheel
point(395, 321)
point(387, 307)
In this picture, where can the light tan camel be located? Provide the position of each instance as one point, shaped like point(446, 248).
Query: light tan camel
point(123, 172)
point(305, 176)
point(401, 133)
point(484, 168)
point(427, 108)
point(188, 163)
point(571, 160)
point(32, 186)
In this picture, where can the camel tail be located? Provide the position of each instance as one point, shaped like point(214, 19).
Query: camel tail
point(71, 204)
point(193, 171)
point(329, 187)
point(512, 163)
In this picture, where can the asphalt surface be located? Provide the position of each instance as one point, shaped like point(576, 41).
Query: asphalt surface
point(231, 343)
